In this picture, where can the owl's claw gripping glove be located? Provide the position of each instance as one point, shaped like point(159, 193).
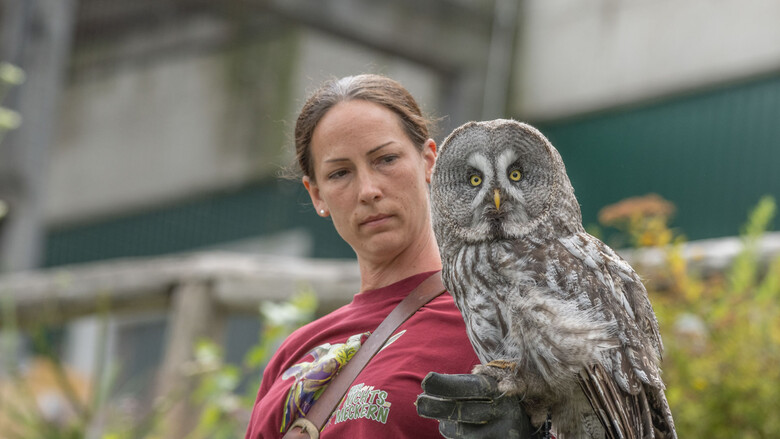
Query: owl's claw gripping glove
point(470, 406)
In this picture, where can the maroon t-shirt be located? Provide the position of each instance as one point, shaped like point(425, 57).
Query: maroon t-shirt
point(380, 402)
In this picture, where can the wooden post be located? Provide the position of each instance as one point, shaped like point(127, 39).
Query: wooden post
point(193, 316)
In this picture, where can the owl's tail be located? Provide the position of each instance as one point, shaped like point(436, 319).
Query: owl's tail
point(643, 415)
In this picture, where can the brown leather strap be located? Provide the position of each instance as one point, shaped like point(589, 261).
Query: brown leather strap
point(330, 398)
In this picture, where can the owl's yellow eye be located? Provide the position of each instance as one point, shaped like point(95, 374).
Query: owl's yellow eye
point(515, 175)
point(475, 180)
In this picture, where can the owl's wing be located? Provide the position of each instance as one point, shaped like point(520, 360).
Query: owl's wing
point(626, 391)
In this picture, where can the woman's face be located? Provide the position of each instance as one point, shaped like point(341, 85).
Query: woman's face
point(371, 179)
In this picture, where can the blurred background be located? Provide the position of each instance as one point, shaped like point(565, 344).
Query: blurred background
point(142, 143)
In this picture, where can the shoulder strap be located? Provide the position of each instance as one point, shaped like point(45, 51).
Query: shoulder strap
point(311, 425)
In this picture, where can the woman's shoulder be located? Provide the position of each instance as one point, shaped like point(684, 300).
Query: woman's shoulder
point(444, 303)
point(319, 328)
point(438, 319)
point(332, 328)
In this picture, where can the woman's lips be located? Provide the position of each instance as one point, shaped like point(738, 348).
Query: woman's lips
point(375, 220)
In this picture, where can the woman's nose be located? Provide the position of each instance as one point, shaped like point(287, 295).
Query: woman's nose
point(369, 189)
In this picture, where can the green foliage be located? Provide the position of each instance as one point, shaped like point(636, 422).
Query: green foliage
point(722, 337)
point(225, 407)
point(47, 400)
point(10, 76)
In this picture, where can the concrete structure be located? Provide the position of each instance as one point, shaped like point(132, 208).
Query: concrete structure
point(579, 57)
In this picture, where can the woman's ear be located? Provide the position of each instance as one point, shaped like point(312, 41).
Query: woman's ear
point(314, 194)
point(429, 154)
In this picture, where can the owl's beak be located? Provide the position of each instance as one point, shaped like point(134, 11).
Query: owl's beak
point(497, 198)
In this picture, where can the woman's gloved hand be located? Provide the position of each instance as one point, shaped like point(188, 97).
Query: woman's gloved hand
point(470, 406)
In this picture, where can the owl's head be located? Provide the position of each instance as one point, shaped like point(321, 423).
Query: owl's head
point(500, 179)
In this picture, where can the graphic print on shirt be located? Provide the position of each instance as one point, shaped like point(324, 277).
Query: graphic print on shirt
point(311, 378)
point(363, 401)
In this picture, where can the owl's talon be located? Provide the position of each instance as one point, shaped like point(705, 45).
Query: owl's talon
point(505, 374)
point(503, 364)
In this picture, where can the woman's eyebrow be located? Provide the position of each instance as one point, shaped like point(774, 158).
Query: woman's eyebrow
point(371, 151)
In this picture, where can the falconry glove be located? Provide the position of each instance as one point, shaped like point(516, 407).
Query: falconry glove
point(470, 406)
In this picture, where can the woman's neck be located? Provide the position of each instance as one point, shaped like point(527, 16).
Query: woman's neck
point(420, 257)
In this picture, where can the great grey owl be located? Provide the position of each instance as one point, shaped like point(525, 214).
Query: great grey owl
point(554, 314)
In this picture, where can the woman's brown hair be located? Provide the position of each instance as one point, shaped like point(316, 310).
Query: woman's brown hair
point(368, 87)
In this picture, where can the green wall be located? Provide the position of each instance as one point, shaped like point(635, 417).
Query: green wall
point(261, 209)
point(713, 154)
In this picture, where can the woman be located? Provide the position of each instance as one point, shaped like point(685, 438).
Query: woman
point(363, 147)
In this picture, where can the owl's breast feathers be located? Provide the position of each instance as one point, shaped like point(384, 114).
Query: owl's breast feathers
point(582, 271)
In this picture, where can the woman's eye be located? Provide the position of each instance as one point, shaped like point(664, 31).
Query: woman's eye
point(475, 180)
point(388, 158)
point(337, 174)
point(515, 175)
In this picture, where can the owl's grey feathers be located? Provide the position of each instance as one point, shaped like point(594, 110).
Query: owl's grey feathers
point(537, 290)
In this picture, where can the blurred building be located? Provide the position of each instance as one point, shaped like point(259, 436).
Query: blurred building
point(171, 119)
point(175, 116)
